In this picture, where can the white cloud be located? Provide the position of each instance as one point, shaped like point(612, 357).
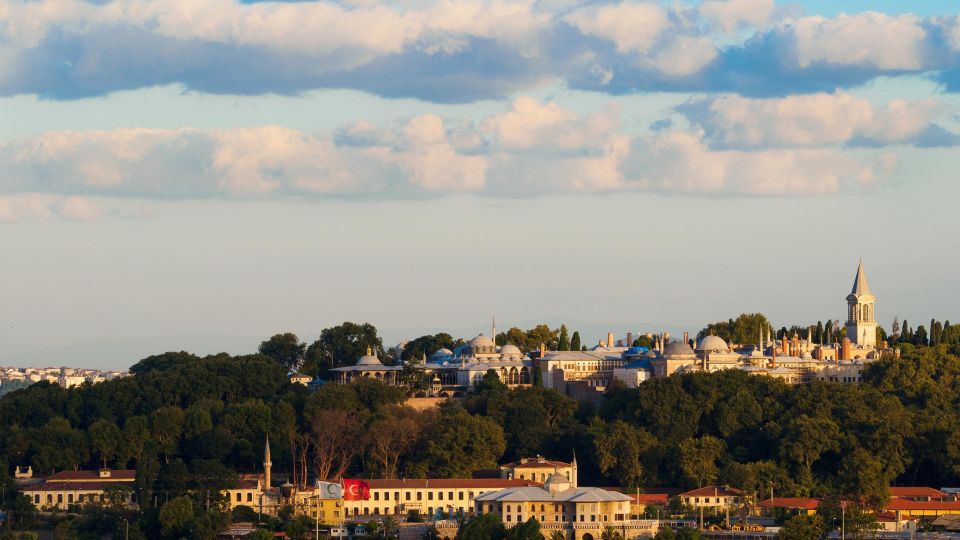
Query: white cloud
point(530, 124)
point(80, 209)
point(681, 162)
point(731, 15)
point(532, 148)
point(870, 39)
point(810, 120)
point(631, 26)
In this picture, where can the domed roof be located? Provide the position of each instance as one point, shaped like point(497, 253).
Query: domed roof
point(441, 354)
point(369, 359)
point(677, 348)
point(481, 341)
point(510, 350)
point(556, 482)
point(712, 343)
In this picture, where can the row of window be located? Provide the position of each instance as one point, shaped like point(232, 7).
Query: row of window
point(91, 497)
point(407, 495)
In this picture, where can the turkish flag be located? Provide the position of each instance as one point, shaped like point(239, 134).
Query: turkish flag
point(355, 490)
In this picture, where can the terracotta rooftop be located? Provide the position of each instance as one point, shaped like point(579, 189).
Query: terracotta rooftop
point(650, 498)
point(714, 491)
point(122, 475)
point(445, 483)
point(70, 486)
point(916, 491)
point(791, 502)
point(907, 504)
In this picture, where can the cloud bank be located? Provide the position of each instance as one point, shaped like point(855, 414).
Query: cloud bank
point(458, 50)
point(532, 148)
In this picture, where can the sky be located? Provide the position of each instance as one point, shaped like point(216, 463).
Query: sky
point(181, 175)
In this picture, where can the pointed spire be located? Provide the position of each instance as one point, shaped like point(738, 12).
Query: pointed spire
point(266, 451)
point(493, 330)
point(860, 285)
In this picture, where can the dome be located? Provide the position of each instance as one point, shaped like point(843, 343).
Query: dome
point(677, 348)
point(510, 350)
point(369, 359)
point(712, 343)
point(557, 482)
point(441, 355)
point(481, 341)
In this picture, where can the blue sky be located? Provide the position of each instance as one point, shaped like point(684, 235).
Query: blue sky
point(192, 175)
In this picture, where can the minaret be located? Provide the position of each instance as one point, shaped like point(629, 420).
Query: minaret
point(861, 321)
point(493, 332)
point(573, 470)
point(267, 464)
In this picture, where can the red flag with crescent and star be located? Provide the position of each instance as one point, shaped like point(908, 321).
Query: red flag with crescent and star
point(355, 490)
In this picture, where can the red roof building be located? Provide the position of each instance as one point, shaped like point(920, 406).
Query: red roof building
point(917, 493)
point(792, 503)
point(923, 508)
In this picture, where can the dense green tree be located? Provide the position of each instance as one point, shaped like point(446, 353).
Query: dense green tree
point(341, 346)
point(619, 449)
point(424, 346)
point(166, 426)
point(528, 530)
point(802, 527)
point(698, 459)
point(483, 527)
point(459, 443)
point(575, 341)
point(176, 516)
point(148, 467)
point(744, 329)
point(104, 438)
point(285, 349)
point(564, 342)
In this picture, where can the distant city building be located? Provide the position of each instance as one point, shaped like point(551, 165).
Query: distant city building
point(581, 513)
point(64, 489)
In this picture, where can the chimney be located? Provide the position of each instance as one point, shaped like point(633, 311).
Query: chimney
point(845, 349)
point(629, 339)
point(783, 345)
point(773, 357)
point(543, 349)
point(609, 339)
point(686, 337)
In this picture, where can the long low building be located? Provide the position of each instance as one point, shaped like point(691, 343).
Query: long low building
point(581, 513)
point(428, 497)
point(64, 489)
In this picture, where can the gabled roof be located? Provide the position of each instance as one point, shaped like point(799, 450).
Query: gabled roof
point(448, 483)
point(794, 503)
point(714, 491)
point(124, 475)
point(907, 505)
point(860, 285)
point(916, 491)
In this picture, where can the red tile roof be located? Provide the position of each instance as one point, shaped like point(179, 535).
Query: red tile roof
point(713, 491)
point(650, 498)
point(449, 483)
point(916, 491)
point(72, 486)
point(907, 504)
point(791, 502)
point(534, 463)
point(92, 476)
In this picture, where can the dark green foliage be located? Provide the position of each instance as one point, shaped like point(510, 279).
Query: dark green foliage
point(341, 346)
point(285, 349)
point(575, 341)
point(745, 329)
point(483, 527)
point(528, 530)
point(424, 346)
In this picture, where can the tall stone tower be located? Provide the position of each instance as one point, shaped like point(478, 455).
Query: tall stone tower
point(267, 465)
point(861, 320)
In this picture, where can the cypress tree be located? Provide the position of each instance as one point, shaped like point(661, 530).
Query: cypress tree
point(818, 333)
point(575, 341)
point(933, 331)
point(920, 336)
point(564, 339)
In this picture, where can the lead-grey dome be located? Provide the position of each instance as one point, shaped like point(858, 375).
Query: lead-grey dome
point(712, 344)
point(677, 348)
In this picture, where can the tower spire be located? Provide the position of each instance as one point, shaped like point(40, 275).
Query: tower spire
point(267, 465)
point(860, 285)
